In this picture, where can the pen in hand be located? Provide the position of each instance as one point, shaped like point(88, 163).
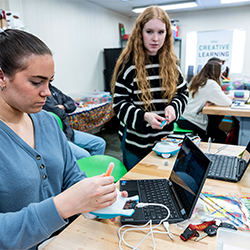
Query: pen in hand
point(164, 122)
point(109, 169)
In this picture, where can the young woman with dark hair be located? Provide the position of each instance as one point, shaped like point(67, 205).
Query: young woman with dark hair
point(205, 89)
point(41, 185)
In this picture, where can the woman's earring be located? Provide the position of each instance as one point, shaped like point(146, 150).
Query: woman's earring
point(1, 88)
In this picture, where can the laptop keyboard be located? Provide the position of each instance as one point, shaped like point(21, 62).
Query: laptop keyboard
point(156, 191)
point(223, 167)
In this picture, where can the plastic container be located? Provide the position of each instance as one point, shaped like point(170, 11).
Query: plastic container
point(228, 239)
point(166, 149)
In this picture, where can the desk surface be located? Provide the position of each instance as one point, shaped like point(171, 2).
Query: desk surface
point(102, 234)
point(221, 110)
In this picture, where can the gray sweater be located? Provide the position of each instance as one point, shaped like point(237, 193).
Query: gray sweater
point(28, 181)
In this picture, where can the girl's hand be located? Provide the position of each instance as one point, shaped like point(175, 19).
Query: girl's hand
point(86, 196)
point(154, 120)
point(208, 104)
point(60, 106)
point(231, 97)
point(170, 114)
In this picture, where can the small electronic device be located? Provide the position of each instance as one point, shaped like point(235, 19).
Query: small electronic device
point(123, 206)
point(166, 149)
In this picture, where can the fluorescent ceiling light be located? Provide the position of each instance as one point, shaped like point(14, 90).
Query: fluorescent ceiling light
point(233, 1)
point(169, 7)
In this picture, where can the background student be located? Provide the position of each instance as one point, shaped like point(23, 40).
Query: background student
point(82, 144)
point(41, 185)
point(225, 73)
point(147, 86)
point(205, 89)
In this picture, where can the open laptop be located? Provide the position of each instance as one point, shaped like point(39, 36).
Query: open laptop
point(179, 193)
point(229, 168)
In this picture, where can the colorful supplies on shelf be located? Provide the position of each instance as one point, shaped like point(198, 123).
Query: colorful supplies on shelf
point(92, 98)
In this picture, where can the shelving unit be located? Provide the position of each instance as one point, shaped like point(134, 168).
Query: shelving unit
point(123, 41)
point(177, 39)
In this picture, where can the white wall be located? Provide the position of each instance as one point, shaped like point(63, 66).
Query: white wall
point(76, 32)
point(217, 19)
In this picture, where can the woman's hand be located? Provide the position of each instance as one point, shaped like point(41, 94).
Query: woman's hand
point(231, 97)
point(208, 104)
point(170, 114)
point(86, 196)
point(154, 120)
point(60, 106)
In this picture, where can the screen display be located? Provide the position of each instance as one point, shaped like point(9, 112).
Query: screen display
point(246, 154)
point(189, 174)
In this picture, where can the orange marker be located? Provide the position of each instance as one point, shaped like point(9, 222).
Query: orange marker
point(109, 169)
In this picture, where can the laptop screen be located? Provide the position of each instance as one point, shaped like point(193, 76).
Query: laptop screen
point(246, 154)
point(189, 174)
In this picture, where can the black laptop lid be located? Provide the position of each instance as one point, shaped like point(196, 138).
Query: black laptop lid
point(188, 175)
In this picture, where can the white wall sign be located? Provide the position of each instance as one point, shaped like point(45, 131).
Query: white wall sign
point(214, 44)
point(228, 45)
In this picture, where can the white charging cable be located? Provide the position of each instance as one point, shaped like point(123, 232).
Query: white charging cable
point(143, 227)
point(209, 145)
point(221, 148)
point(196, 139)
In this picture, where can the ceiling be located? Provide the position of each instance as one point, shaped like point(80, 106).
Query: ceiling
point(125, 6)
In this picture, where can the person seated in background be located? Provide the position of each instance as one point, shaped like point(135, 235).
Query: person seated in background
point(225, 73)
point(41, 185)
point(205, 89)
point(82, 144)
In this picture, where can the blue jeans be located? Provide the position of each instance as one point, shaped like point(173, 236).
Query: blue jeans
point(86, 144)
point(130, 159)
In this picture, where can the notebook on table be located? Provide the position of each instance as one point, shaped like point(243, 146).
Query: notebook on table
point(179, 193)
point(229, 168)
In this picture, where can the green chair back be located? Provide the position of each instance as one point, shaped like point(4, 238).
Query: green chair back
point(98, 164)
point(177, 129)
point(58, 119)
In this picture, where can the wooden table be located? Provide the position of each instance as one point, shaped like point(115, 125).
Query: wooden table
point(102, 234)
point(243, 115)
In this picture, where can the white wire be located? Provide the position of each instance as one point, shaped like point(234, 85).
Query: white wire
point(143, 227)
point(198, 142)
point(121, 237)
point(208, 145)
point(221, 148)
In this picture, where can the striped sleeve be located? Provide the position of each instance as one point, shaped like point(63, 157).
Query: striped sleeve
point(180, 99)
point(123, 101)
